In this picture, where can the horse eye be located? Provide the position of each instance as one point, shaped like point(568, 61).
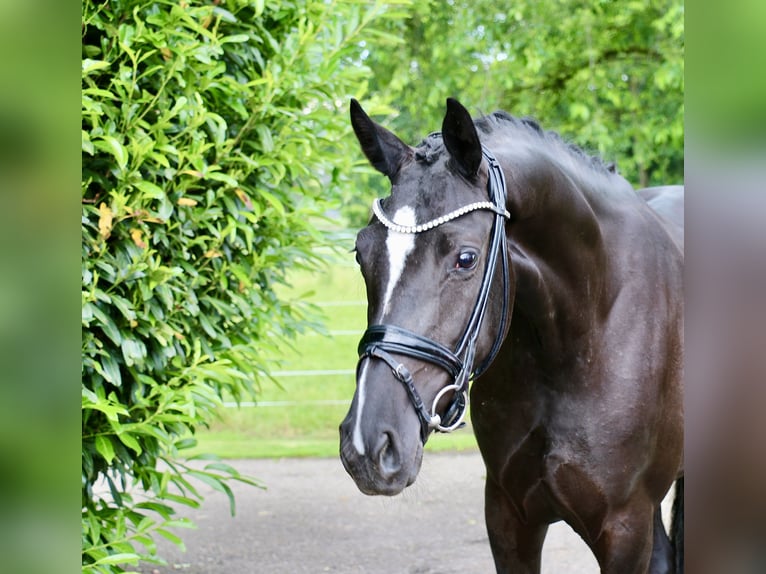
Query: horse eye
point(466, 260)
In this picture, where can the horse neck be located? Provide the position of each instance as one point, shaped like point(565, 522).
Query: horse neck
point(559, 247)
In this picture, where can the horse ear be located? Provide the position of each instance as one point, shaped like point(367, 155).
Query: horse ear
point(385, 151)
point(461, 139)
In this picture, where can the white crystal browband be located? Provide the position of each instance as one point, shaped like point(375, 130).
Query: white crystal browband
point(393, 226)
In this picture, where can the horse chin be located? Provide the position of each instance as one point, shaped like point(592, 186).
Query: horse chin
point(383, 488)
point(373, 478)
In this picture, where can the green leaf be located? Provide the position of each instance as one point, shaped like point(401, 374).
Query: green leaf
point(111, 370)
point(121, 558)
point(89, 66)
point(224, 15)
point(189, 442)
point(133, 352)
point(171, 537)
point(87, 145)
point(259, 6)
point(105, 448)
point(218, 484)
point(124, 306)
point(110, 145)
point(216, 176)
point(130, 441)
point(185, 500)
point(237, 38)
point(273, 201)
point(91, 401)
point(150, 190)
point(162, 509)
point(264, 134)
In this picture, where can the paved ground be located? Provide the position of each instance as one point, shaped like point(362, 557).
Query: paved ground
point(312, 519)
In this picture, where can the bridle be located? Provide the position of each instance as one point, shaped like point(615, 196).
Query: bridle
point(381, 341)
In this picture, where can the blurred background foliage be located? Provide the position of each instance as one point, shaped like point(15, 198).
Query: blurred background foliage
point(608, 75)
point(217, 156)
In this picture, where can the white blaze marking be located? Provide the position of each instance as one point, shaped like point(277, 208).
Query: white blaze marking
point(399, 246)
point(358, 440)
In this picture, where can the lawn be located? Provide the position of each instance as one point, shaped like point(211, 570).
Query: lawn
point(300, 416)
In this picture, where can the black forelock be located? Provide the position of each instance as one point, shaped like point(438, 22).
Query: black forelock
point(429, 150)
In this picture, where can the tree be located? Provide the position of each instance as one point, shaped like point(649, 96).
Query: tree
point(607, 75)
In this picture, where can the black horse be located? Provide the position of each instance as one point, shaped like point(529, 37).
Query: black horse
point(506, 257)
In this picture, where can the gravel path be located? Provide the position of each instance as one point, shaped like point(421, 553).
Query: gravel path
point(312, 519)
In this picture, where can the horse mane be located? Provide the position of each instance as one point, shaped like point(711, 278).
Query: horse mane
point(430, 148)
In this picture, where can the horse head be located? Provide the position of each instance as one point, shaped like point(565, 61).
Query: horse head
point(439, 293)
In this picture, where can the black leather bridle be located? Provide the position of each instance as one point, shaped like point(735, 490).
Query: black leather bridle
point(384, 341)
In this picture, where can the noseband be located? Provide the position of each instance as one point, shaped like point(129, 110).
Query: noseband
point(381, 341)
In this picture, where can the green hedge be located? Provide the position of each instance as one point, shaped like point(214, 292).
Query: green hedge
point(212, 148)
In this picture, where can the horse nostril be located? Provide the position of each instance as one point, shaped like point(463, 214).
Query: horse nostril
point(388, 456)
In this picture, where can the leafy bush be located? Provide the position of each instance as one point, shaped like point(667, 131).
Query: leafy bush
point(211, 153)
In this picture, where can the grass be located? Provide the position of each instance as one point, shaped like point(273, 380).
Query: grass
point(300, 416)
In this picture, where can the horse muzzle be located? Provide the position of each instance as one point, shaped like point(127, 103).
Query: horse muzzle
point(387, 467)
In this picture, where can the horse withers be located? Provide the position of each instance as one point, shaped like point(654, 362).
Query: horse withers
point(508, 258)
